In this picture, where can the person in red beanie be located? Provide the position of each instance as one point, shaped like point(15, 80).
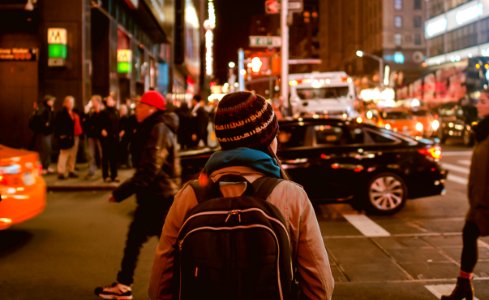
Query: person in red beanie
point(155, 182)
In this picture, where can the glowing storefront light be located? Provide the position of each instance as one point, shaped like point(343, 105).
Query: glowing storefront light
point(209, 25)
point(436, 26)
point(468, 14)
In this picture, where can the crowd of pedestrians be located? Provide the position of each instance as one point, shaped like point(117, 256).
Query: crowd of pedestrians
point(104, 131)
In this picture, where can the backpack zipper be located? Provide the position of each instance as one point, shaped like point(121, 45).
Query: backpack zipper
point(277, 263)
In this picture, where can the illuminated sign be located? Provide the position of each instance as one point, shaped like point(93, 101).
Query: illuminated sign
point(468, 14)
point(436, 26)
point(18, 54)
point(57, 46)
point(124, 58)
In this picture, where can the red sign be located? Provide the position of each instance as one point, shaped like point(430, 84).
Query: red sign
point(272, 6)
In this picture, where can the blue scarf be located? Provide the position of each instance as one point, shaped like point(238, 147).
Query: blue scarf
point(255, 159)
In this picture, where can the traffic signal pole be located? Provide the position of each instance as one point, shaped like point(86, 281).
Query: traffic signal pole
point(284, 82)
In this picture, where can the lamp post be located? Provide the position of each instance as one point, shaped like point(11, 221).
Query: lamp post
point(360, 53)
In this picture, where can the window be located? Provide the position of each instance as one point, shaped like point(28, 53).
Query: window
point(398, 21)
point(397, 39)
point(417, 4)
point(291, 136)
point(381, 137)
point(417, 39)
point(398, 4)
point(329, 135)
point(417, 22)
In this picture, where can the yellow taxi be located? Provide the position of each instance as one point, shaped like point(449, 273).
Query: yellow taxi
point(396, 119)
point(22, 188)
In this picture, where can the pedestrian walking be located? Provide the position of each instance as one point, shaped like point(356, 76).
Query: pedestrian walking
point(155, 182)
point(93, 129)
point(42, 124)
point(477, 218)
point(109, 138)
point(64, 130)
point(246, 128)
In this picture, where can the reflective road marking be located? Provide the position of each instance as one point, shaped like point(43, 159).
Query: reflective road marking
point(464, 162)
point(366, 226)
point(455, 168)
point(441, 289)
point(457, 179)
point(455, 153)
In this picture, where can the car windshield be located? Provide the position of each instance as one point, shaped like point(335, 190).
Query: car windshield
point(322, 93)
point(421, 113)
point(395, 115)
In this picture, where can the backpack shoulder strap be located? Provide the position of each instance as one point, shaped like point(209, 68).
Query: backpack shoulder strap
point(205, 192)
point(264, 186)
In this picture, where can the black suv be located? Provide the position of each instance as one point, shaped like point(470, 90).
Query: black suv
point(456, 121)
point(338, 160)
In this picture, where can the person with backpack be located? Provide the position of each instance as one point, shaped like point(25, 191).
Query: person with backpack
point(242, 230)
point(155, 182)
point(41, 123)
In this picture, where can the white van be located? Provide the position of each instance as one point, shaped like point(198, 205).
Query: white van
point(325, 93)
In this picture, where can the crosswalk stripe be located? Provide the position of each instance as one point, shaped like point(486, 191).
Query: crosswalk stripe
point(441, 289)
point(366, 226)
point(483, 244)
point(464, 162)
point(455, 168)
point(457, 179)
point(457, 153)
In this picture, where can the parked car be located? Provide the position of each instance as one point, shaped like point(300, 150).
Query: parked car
point(22, 188)
point(456, 122)
point(338, 160)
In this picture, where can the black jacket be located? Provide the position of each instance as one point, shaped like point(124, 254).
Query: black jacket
point(109, 120)
point(45, 117)
point(92, 124)
point(156, 160)
point(64, 124)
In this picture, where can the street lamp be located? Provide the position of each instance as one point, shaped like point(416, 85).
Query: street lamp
point(360, 53)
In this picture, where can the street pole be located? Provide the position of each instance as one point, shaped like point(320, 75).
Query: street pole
point(381, 72)
point(284, 27)
point(241, 69)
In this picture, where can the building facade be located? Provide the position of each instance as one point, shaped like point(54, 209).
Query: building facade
point(389, 29)
point(85, 47)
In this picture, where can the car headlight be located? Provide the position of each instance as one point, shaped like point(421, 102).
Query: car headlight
point(435, 124)
point(388, 126)
point(419, 126)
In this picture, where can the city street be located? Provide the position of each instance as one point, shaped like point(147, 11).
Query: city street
point(76, 245)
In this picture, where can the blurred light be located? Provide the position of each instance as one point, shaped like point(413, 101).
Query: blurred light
point(388, 126)
point(231, 65)
point(419, 127)
point(415, 102)
point(256, 64)
point(359, 53)
point(435, 125)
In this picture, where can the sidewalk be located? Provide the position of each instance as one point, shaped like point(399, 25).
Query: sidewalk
point(82, 184)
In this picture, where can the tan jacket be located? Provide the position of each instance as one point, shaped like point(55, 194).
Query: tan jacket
point(478, 187)
point(292, 201)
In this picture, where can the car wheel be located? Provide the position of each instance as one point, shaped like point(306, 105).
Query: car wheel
point(386, 194)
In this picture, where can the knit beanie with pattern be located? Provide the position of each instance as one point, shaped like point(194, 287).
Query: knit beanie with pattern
point(244, 119)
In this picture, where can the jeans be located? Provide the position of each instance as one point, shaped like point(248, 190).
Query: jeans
point(94, 149)
point(43, 147)
point(470, 254)
point(148, 221)
point(110, 148)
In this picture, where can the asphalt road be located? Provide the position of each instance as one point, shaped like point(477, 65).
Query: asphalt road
point(76, 244)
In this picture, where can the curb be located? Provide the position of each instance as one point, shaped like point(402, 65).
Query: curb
point(71, 188)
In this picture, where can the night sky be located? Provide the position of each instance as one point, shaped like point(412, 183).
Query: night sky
point(233, 18)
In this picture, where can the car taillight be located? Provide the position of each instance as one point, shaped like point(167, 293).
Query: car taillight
point(433, 152)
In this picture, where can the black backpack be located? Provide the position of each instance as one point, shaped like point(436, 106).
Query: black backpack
point(234, 247)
